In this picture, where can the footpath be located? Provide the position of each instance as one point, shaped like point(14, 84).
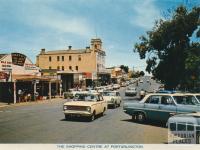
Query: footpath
point(2, 104)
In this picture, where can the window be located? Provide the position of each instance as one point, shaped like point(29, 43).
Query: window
point(50, 58)
point(70, 58)
point(79, 58)
point(190, 127)
point(153, 100)
point(63, 68)
point(166, 100)
point(173, 126)
point(58, 68)
point(58, 58)
point(77, 68)
point(49, 67)
point(63, 58)
point(70, 67)
point(181, 126)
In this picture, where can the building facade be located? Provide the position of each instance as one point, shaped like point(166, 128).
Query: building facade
point(73, 65)
point(21, 81)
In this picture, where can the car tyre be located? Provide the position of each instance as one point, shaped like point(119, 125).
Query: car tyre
point(119, 104)
point(141, 117)
point(115, 105)
point(103, 113)
point(92, 117)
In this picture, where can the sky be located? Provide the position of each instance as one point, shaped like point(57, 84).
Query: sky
point(27, 26)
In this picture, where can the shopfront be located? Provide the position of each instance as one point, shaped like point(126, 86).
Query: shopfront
point(20, 80)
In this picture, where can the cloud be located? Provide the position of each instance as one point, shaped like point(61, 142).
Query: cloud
point(145, 14)
point(53, 19)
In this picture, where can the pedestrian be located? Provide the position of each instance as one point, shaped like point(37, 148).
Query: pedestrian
point(19, 95)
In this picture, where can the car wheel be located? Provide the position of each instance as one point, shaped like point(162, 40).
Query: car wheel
point(103, 111)
point(115, 105)
point(119, 104)
point(92, 117)
point(141, 117)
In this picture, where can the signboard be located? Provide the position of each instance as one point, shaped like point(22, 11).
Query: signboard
point(18, 59)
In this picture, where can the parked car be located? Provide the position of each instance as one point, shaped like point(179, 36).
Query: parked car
point(113, 98)
point(116, 86)
point(123, 84)
point(184, 123)
point(99, 89)
point(160, 107)
point(131, 91)
point(70, 93)
point(85, 105)
point(109, 87)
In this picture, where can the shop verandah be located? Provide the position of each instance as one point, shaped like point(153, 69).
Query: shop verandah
point(27, 88)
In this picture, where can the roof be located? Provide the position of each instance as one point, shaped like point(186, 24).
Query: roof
point(32, 77)
point(168, 94)
point(66, 51)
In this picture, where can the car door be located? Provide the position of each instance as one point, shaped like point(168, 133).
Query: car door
point(151, 107)
point(167, 108)
point(101, 104)
point(98, 105)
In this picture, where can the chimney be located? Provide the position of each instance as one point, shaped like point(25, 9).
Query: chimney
point(42, 51)
point(70, 47)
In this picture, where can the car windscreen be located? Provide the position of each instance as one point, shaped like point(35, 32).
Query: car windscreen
point(185, 100)
point(85, 97)
point(109, 94)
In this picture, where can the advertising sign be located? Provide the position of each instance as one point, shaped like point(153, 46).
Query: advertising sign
point(18, 59)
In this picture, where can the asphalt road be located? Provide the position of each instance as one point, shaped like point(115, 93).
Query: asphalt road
point(45, 123)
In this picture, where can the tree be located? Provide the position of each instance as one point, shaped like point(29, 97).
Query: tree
point(169, 50)
point(142, 73)
point(125, 68)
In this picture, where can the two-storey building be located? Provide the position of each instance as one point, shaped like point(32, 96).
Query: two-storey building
point(74, 66)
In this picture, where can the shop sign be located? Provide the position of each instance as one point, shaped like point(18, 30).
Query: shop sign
point(18, 59)
point(30, 67)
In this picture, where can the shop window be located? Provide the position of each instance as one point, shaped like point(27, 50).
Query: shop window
point(63, 58)
point(58, 58)
point(70, 58)
point(50, 58)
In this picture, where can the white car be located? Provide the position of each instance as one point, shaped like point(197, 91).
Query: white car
point(116, 86)
point(113, 98)
point(131, 91)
